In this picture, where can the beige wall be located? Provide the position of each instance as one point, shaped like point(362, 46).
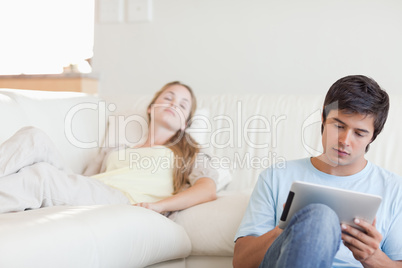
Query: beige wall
point(252, 46)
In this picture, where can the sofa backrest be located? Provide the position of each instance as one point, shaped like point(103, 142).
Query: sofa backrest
point(70, 119)
point(247, 133)
point(256, 131)
point(242, 133)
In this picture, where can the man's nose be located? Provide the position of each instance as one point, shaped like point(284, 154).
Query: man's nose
point(344, 137)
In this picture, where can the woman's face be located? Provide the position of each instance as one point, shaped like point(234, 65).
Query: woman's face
point(172, 108)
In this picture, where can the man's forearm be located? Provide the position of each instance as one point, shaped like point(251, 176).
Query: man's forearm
point(249, 251)
point(379, 260)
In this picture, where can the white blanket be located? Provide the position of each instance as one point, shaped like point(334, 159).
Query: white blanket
point(32, 175)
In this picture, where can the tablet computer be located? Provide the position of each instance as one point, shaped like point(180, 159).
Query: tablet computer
point(347, 204)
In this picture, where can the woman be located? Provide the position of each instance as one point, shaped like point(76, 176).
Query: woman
point(33, 176)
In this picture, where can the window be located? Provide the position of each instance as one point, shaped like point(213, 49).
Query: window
point(43, 36)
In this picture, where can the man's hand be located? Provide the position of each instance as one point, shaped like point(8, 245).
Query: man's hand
point(363, 244)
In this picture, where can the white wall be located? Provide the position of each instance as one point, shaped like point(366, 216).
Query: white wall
point(252, 46)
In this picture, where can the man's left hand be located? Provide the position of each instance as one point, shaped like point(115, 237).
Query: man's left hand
point(363, 244)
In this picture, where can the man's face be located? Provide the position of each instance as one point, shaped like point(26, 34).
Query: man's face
point(345, 138)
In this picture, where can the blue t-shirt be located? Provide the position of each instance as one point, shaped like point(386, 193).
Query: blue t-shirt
point(266, 202)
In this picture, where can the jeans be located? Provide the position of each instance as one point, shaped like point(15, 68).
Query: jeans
point(311, 239)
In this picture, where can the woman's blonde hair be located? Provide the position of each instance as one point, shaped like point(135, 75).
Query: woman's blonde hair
point(184, 147)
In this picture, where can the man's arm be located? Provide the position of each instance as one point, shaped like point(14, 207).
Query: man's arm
point(250, 250)
point(365, 245)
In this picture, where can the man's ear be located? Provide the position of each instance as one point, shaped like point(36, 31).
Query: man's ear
point(322, 121)
point(322, 114)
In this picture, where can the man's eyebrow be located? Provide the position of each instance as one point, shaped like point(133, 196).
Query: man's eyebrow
point(338, 120)
point(343, 123)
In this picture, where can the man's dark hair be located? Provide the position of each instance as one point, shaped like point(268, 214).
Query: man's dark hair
point(358, 94)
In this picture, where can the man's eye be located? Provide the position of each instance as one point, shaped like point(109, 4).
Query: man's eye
point(358, 134)
point(338, 126)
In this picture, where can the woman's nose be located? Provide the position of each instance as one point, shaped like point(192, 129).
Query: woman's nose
point(174, 104)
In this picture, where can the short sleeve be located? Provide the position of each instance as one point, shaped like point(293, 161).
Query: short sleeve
point(203, 168)
point(392, 245)
point(260, 214)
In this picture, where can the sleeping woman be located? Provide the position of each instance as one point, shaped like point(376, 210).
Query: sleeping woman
point(32, 174)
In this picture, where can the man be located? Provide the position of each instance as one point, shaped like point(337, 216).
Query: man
point(355, 111)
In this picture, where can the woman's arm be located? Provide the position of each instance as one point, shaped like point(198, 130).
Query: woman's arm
point(203, 190)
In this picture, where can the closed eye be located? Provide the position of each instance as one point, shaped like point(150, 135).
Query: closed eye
point(359, 134)
point(338, 125)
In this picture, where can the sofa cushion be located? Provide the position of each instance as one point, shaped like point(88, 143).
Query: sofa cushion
point(12, 117)
point(90, 236)
point(74, 121)
point(212, 226)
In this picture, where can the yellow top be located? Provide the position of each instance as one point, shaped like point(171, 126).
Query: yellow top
point(142, 174)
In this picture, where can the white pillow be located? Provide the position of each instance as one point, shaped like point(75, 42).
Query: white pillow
point(200, 127)
point(212, 226)
point(224, 179)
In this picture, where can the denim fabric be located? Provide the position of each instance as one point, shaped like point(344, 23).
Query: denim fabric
point(310, 240)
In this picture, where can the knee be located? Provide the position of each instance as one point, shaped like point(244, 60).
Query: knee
point(320, 218)
point(316, 230)
point(321, 213)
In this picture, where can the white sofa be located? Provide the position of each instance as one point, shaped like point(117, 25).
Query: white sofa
point(243, 134)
